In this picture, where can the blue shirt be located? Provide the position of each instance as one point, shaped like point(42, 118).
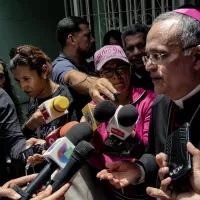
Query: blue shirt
point(61, 66)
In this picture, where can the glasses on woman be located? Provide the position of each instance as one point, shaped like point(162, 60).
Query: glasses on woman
point(119, 70)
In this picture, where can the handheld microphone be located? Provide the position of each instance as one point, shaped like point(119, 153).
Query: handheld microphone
point(59, 132)
point(58, 155)
point(121, 141)
point(82, 152)
point(122, 123)
point(102, 112)
point(54, 108)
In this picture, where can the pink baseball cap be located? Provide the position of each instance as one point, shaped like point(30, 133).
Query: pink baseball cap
point(192, 12)
point(107, 53)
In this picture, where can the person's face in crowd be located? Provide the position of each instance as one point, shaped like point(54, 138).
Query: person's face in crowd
point(29, 80)
point(172, 73)
point(135, 49)
point(84, 42)
point(118, 73)
point(2, 76)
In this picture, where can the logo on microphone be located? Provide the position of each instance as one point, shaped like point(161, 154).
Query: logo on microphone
point(64, 153)
point(117, 132)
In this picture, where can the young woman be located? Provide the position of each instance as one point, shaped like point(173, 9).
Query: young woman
point(31, 68)
point(111, 63)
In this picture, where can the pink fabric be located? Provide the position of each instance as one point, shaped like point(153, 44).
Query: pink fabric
point(107, 53)
point(143, 100)
point(189, 12)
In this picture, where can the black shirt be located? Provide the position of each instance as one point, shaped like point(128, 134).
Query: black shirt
point(12, 141)
point(73, 114)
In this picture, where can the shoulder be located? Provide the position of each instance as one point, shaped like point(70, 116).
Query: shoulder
point(62, 62)
point(5, 99)
point(64, 91)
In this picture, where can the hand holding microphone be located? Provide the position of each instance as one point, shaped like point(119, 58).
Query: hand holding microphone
point(58, 154)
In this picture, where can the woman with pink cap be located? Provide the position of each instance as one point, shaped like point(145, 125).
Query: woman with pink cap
point(111, 63)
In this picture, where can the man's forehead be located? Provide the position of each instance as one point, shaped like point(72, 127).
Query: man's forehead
point(84, 27)
point(132, 39)
point(163, 33)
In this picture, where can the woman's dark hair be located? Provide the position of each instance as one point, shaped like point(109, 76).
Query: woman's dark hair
point(114, 34)
point(30, 56)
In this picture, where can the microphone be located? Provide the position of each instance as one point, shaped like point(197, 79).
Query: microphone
point(122, 123)
point(102, 112)
point(82, 152)
point(121, 141)
point(59, 132)
point(58, 154)
point(54, 108)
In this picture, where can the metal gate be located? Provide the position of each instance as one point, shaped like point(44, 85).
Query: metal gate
point(104, 15)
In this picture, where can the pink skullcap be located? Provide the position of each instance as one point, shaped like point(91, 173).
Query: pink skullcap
point(189, 12)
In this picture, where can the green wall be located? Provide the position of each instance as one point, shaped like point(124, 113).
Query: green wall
point(29, 22)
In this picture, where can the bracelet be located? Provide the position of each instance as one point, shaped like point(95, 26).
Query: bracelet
point(26, 131)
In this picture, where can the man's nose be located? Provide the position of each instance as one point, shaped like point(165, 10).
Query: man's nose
point(150, 67)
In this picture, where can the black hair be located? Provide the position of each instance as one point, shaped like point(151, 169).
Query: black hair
point(114, 34)
point(67, 26)
point(134, 29)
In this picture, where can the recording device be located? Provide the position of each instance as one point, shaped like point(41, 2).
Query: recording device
point(58, 154)
point(179, 159)
point(54, 108)
point(50, 139)
point(82, 152)
point(35, 149)
point(96, 114)
point(121, 141)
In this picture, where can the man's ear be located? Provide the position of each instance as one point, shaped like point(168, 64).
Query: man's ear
point(71, 39)
point(197, 58)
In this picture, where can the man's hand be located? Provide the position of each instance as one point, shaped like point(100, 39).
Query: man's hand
point(101, 86)
point(120, 174)
point(33, 141)
point(7, 191)
point(164, 193)
point(47, 194)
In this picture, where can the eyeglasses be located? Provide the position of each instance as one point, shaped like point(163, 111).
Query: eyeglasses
point(119, 70)
point(159, 58)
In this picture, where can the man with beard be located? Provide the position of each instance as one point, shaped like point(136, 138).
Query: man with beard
point(134, 41)
point(71, 69)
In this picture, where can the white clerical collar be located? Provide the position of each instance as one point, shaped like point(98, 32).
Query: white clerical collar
point(180, 101)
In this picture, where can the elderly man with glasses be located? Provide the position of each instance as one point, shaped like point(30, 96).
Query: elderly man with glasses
point(173, 60)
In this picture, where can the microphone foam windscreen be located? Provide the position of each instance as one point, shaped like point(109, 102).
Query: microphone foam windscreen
point(83, 151)
point(127, 115)
point(104, 111)
point(66, 128)
point(79, 132)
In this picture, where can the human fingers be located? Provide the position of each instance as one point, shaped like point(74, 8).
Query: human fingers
point(157, 193)
point(9, 193)
point(165, 183)
point(161, 160)
point(162, 172)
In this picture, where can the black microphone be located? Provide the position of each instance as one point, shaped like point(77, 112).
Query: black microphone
point(104, 111)
point(79, 132)
point(82, 152)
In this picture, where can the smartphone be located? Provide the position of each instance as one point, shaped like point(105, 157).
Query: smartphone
point(179, 159)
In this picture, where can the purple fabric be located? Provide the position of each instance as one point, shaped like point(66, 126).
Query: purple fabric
point(189, 12)
point(143, 100)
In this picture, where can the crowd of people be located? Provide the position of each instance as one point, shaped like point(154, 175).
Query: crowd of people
point(155, 69)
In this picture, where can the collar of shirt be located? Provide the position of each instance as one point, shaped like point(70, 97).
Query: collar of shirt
point(180, 101)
